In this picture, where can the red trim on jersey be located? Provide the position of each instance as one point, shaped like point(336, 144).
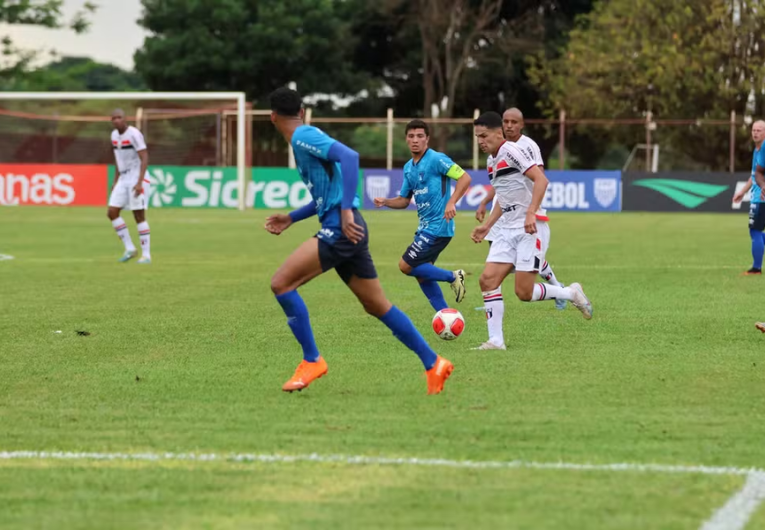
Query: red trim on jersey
point(125, 142)
point(542, 218)
point(502, 164)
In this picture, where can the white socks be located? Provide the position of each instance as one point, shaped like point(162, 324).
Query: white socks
point(547, 273)
point(550, 292)
point(495, 313)
point(123, 233)
point(145, 237)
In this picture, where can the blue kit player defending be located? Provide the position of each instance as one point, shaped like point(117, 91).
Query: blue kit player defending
point(330, 170)
point(427, 178)
point(756, 207)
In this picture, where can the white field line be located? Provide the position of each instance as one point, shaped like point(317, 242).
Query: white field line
point(581, 266)
point(735, 514)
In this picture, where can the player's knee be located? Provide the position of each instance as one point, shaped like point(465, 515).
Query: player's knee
point(111, 214)
point(404, 267)
point(279, 285)
point(377, 307)
point(487, 282)
point(524, 293)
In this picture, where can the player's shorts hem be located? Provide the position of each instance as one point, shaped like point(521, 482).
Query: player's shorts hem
point(424, 249)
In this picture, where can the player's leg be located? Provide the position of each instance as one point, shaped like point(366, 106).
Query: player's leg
point(419, 261)
point(138, 205)
point(527, 266)
point(117, 201)
point(756, 226)
point(301, 266)
point(371, 295)
point(491, 279)
point(546, 271)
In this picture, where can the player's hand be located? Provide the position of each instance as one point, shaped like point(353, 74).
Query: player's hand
point(480, 213)
point(451, 211)
point(278, 223)
point(530, 224)
point(738, 197)
point(138, 189)
point(352, 231)
point(762, 195)
point(479, 233)
point(379, 202)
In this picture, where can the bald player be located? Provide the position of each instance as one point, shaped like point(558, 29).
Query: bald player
point(130, 189)
point(756, 208)
point(512, 126)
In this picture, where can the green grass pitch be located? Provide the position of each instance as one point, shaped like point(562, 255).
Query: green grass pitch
point(189, 355)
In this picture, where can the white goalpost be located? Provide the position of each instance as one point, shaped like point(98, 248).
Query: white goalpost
point(237, 98)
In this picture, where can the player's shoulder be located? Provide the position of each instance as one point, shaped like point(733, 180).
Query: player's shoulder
point(437, 158)
point(134, 130)
point(512, 153)
point(524, 141)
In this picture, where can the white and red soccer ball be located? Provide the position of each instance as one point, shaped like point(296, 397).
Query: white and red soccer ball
point(448, 324)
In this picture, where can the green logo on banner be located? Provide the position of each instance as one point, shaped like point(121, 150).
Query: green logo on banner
point(689, 194)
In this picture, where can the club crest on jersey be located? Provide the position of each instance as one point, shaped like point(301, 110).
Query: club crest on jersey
point(606, 191)
point(377, 186)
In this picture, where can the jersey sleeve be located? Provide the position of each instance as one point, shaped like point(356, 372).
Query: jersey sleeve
point(447, 168)
point(537, 155)
point(760, 158)
point(312, 141)
point(138, 140)
point(516, 158)
point(406, 187)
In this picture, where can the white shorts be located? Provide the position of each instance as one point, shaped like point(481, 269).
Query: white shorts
point(123, 196)
point(525, 251)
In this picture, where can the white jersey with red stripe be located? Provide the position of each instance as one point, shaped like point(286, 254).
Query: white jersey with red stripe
point(531, 149)
point(507, 173)
point(126, 147)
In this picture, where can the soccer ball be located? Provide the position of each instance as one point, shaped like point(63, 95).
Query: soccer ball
point(448, 324)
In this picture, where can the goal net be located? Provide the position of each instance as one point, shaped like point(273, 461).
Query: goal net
point(202, 134)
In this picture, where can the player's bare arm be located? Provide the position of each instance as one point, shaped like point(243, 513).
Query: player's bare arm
point(739, 195)
point(463, 183)
point(480, 212)
point(397, 203)
point(759, 177)
point(537, 195)
point(143, 155)
point(480, 232)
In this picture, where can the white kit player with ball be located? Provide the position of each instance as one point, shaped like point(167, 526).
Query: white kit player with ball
point(130, 189)
point(521, 242)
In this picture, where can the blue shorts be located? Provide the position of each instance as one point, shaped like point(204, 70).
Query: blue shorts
point(425, 249)
point(348, 259)
point(757, 216)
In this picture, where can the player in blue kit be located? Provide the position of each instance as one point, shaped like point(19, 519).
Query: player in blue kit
point(427, 178)
point(756, 208)
point(330, 170)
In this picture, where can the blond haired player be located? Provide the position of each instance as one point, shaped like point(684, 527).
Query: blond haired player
point(512, 127)
point(522, 242)
point(130, 189)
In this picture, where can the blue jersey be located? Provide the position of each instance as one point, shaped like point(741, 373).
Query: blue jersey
point(429, 182)
point(758, 158)
point(323, 177)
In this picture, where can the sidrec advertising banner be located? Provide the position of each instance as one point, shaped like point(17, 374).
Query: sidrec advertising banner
point(588, 191)
point(681, 191)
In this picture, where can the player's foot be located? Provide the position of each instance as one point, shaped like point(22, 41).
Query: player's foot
point(753, 272)
point(560, 305)
point(760, 326)
point(580, 301)
point(305, 374)
point(488, 345)
point(458, 285)
point(438, 375)
point(128, 255)
point(144, 260)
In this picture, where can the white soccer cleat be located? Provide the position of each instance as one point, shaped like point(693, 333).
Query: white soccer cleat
point(580, 301)
point(490, 346)
point(145, 260)
point(127, 256)
point(458, 285)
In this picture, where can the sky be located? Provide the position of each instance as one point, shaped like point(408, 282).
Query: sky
point(112, 38)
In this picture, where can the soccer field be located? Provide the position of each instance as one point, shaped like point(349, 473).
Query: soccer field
point(187, 356)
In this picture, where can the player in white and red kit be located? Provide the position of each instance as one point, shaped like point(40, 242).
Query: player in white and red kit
point(512, 127)
point(130, 189)
point(521, 243)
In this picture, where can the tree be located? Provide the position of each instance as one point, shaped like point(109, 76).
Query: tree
point(78, 74)
point(245, 45)
point(697, 59)
point(47, 13)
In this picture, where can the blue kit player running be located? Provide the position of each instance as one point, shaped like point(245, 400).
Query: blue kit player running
point(756, 206)
point(330, 170)
point(427, 178)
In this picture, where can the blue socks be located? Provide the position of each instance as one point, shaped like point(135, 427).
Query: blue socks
point(758, 247)
point(300, 324)
point(404, 330)
point(434, 294)
point(428, 271)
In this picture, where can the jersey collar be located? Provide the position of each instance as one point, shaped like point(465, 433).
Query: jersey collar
point(421, 158)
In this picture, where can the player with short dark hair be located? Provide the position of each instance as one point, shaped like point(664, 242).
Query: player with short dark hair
point(756, 206)
point(427, 178)
point(330, 170)
point(519, 245)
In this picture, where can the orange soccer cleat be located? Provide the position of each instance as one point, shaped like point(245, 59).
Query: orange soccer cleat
point(305, 374)
point(438, 375)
